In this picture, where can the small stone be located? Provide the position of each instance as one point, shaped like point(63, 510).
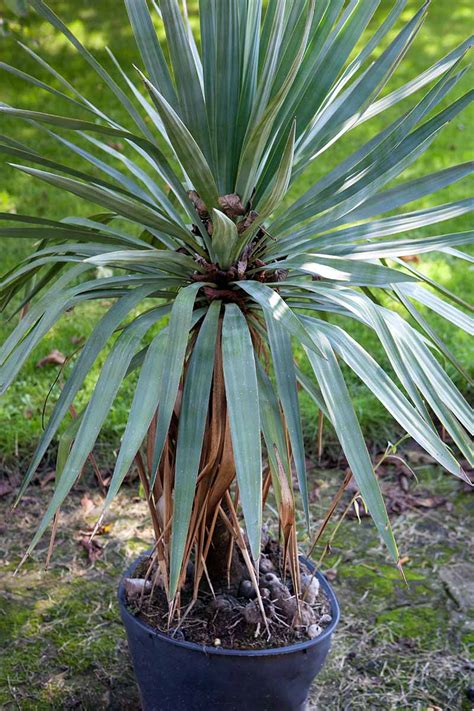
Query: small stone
point(217, 642)
point(309, 588)
point(266, 565)
point(220, 604)
point(247, 590)
point(304, 616)
point(135, 587)
point(269, 607)
point(252, 614)
point(289, 607)
point(281, 596)
point(459, 579)
point(271, 579)
point(325, 619)
point(314, 631)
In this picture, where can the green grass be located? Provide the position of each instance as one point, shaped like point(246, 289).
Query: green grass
point(105, 23)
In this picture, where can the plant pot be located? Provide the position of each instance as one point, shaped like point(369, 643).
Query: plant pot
point(173, 675)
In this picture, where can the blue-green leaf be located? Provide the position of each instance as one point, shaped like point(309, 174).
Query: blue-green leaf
point(225, 239)
point(192, 423)
point(244, 415)
point(150, 48)
point(179, 326)
point(346, 424)
point(282, 356)
point(271, 302)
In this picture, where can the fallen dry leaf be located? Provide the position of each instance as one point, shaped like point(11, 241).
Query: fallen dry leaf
point(77, 340)
point(49, 476)
point(55, 357)
point(401, 467)
point(431, 502)
point(5, 487)
point(404, 483)
point(93, 548)
point(398, 501)
point(86, 504)
point(26, 501)
point(315, 494)
point(417, 456)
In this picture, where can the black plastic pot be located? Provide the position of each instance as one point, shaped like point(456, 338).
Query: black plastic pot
point(182, 676)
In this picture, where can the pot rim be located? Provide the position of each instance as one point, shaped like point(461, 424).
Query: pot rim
point(228, 651)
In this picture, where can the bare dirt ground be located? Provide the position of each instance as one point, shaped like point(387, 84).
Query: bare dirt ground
point(398, 646)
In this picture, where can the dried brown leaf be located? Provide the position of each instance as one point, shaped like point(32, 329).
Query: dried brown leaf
point(93, 548)
point(86, 504)
point(49, 476)
point(232, 205)
point(55, 357)
point(5, 487)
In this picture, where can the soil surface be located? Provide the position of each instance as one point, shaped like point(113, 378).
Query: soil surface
point(398, 646)
point(232, 617)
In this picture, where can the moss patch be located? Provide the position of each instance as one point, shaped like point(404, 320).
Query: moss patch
point(62, 644)
point(422, 625)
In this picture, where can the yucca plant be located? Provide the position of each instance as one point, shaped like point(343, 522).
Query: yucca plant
point(195, 227)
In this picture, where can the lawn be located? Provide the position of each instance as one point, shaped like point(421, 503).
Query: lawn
point(104, 24)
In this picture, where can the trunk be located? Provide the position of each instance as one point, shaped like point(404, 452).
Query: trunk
point(223, 561)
